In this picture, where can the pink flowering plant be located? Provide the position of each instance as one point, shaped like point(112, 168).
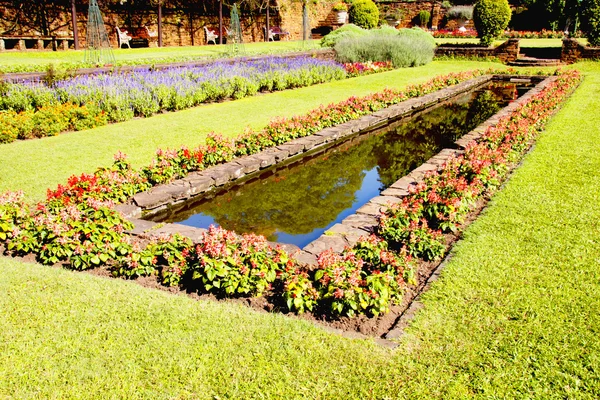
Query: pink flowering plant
point(229, 265)
point(88, 234)
point(366, 279)
point(77, 225)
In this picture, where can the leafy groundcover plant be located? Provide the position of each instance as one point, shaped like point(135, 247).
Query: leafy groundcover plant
point(77, 225)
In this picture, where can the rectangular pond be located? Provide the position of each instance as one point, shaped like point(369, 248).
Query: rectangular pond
point(296, 203)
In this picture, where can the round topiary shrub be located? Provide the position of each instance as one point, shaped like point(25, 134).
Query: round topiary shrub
point(491, 17)
point(364, 13)
point(346, 31)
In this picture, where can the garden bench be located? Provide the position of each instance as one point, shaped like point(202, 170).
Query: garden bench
point(138, 37)
point(36, 42)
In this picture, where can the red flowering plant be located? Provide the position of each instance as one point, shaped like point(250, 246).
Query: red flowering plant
point(173, 253)
point(116, 183)
point(166, 255)
point(446, 197)
point(366, 68)
point(218, 149)
point(298, 291)
point(403, 225)
point(121, 180)
point(482, 163)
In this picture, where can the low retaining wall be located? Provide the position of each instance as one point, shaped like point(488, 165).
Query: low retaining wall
point(347, 232)
point(506, 52)
point(572, 51)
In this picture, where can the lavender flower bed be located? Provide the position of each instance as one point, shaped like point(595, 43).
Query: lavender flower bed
point(143, 93)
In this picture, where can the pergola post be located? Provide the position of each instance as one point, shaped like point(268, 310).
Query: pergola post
point(268, 27)
point(74, 21)
point(220, 21)
point(160, 42)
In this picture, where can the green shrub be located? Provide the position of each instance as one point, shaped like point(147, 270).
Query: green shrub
point(364, 13)
point(8, 127)
point(346, 31)
point(491, 17)
point(417, 34)
point(424, 17)
point(460, 12)
point(403, 50)
point(385, 30)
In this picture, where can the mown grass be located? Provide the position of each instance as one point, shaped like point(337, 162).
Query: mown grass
point(43, 58)
point(35, 165)
point(515, 314)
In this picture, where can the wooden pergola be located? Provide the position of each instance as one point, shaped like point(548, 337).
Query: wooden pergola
point(266, 4)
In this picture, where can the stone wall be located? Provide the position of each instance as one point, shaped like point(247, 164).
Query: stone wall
point(410, 10)
point(506, 52)
point(572, 51)
point(179, 29)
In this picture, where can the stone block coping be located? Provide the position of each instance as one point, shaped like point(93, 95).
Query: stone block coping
point(353, 227)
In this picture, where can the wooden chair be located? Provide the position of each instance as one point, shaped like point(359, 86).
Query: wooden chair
point(211, 35)
point(123, 37)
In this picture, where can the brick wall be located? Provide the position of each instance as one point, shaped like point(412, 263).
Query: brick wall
point(506, 52)
point(410, 10)
point(179, 29)
point(572, 51)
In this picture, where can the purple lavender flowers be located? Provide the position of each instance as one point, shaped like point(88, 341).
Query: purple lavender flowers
point(146, 92)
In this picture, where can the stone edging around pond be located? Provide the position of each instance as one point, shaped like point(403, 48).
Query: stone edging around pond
point(352, 227)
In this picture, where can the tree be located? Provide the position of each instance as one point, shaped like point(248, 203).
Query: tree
point(591, 16)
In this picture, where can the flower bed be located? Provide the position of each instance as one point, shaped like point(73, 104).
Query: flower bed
point(93, 100)
point(77, 225)
point(472, 33)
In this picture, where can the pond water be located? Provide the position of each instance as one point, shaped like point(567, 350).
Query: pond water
point(296, 203)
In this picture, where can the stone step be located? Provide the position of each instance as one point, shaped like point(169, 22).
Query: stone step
point(534, 62)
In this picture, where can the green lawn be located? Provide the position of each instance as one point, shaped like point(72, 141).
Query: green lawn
point(36, 165)
point(515, 314)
